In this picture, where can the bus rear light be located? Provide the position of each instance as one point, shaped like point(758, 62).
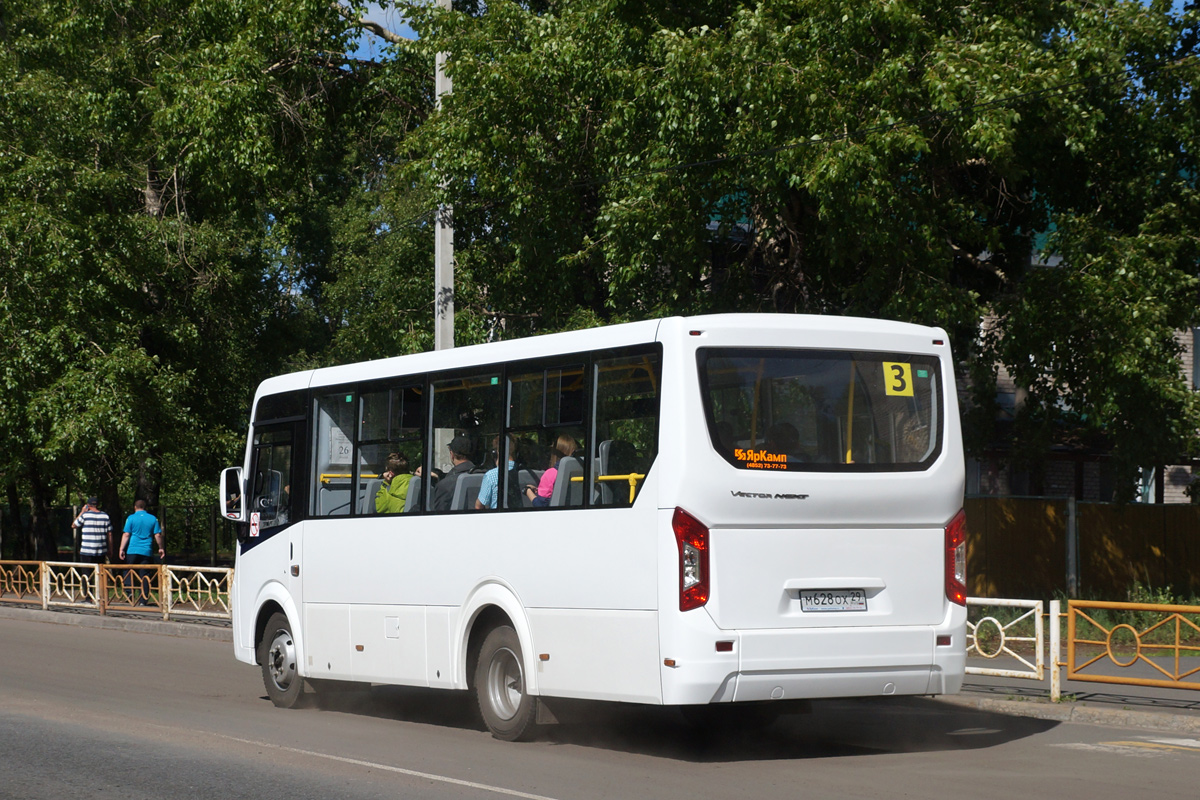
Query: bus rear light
point(692, 538)
point(956, 559)
point(724, 647)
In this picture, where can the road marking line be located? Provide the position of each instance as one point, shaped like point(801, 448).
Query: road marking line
point(1153, 746)
point(1112, 748)
point(1193, 744)
point(412, 772)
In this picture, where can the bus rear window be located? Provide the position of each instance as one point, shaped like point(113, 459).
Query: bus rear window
point(822, 410)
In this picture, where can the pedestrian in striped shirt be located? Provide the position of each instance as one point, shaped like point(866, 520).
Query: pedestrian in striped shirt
point(95, 529)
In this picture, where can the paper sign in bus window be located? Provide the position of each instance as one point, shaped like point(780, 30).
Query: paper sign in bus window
point(897, 379)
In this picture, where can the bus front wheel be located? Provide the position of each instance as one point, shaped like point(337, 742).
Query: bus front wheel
point(277, 655)
point(507, 708)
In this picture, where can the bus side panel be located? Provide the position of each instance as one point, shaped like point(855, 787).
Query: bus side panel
point(439, 658)
point(388, 644)
point(327, 632)
point(600, 655)
point(597, 567)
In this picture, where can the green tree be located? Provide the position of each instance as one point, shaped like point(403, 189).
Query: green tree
point(167, 171)
point(612, 159)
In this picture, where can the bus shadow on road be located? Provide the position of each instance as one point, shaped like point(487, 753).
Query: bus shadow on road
point(834, 728)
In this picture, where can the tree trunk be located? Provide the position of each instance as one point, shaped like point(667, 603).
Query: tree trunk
point(149, 479)
point(45, 543)
point(110, 503)
point(16, 531)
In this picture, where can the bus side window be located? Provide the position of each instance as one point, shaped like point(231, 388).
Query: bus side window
point(334, 454)
point(626, 426)
point(467, 412)
point(390, 423)
point(545, 422)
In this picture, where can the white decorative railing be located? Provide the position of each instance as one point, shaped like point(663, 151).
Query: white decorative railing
point(995, 640)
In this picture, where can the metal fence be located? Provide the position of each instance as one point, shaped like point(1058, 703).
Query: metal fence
point(1131, 644)
point(175, 591)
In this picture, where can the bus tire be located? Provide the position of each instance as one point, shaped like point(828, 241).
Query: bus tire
point(505, 705)
point(277, 656)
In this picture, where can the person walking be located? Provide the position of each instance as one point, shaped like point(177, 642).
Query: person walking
point(141, 529)
point(95, 533)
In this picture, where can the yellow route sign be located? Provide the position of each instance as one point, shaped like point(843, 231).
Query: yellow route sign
point(897, 378)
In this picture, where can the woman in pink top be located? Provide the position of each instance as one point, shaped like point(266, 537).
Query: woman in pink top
point(540, 496)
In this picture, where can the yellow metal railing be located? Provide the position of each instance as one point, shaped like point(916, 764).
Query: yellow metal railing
point(172, 590)
point(1159, 645)
point(20, 581)
point(327, 477)
point(632, 478)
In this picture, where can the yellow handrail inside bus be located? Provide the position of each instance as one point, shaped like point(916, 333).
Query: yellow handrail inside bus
point(326, 477)
point(850, 418)
point(632, 477)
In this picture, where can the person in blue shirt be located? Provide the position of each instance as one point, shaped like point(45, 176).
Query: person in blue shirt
point(489, 488)
point(141, 532)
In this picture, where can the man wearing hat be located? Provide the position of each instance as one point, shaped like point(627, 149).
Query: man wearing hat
point(443, 493)
point(95, 531)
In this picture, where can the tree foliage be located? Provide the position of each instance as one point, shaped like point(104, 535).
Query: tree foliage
point(170, 173)
point(610, 159)
point(195, 194)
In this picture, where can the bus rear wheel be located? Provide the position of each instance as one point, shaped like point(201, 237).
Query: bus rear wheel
point(505, 705)
point(277, 656)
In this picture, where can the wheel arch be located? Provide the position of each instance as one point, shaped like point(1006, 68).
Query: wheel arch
point(271, 600)
point(493, 603)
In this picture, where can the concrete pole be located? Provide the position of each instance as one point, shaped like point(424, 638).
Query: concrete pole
point(443, 245)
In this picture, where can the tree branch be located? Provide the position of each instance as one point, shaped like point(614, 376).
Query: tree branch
point(373, 27)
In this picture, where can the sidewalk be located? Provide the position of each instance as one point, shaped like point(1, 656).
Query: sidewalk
point(1150, 708)
point(148, 621)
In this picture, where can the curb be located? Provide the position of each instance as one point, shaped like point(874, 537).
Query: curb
point(185, 630)
point(1080, 713)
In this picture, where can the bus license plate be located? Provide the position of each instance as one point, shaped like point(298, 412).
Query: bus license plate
point(833, 600)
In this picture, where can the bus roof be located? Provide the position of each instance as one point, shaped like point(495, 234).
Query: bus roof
point(620, 335)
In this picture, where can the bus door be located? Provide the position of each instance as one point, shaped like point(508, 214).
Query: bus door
point(273, 487)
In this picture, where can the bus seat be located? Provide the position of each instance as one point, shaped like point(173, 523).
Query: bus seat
point(367, 504)
point(414, 493)
point(333, 501)
point(602, 494)
point(526, 478)
point(567, 492)
point(616, 457)
point(466, 490)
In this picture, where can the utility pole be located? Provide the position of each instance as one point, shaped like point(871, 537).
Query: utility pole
point(443, 245)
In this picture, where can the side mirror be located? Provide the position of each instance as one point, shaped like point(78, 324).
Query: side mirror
point(233, 499)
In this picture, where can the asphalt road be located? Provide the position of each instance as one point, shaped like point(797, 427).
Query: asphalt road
point(115, 714)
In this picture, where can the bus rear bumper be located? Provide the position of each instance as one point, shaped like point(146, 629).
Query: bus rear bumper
point(821, 663)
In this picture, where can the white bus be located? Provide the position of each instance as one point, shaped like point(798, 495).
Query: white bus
point(749, 509)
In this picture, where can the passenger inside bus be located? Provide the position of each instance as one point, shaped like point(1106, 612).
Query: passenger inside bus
point(461, 464)
point(784, 439)
point(539, 496)
point(489, 489)
point(393, 493)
